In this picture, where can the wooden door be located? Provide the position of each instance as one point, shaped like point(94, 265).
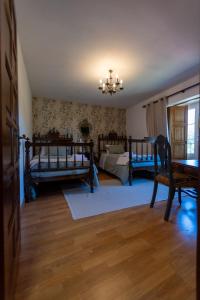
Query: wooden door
point(9, 168)
point(178, 131)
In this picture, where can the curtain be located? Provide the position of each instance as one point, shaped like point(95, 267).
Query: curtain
point(156, 118)
point(150, 119)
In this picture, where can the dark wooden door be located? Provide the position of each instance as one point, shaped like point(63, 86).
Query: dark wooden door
point(9, 168)
point(198, 222)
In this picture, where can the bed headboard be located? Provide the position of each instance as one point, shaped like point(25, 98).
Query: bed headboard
point(112, 139)
point(52, 136)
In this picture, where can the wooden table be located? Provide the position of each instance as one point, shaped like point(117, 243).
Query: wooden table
point(190, 167)
point(193, 167)
point(187, 166)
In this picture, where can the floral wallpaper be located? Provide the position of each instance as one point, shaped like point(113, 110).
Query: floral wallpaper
point(65, 116)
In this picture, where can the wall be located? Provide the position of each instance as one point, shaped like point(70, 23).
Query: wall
point(136, 115)
point(25, 112)
point(65, 116)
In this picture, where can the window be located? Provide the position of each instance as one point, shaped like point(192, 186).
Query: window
point(191, 133)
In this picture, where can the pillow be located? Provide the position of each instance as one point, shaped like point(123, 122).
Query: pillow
point(53, 150)
point(43, 151)
point(115, 149)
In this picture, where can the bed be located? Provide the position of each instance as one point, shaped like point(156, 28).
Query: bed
point(123, 163)
point(54, 157)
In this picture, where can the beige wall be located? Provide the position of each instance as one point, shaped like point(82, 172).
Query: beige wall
point(25, 111)
point(136, 115)
point(66, 116)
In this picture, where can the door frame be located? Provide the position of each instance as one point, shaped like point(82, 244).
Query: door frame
point(198, 225)
point(9, 152)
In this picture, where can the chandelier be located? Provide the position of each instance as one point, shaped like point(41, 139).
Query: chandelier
point(111, 85)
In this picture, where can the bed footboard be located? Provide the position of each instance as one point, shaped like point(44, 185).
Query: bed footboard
point(141, 153)
point(75, 161)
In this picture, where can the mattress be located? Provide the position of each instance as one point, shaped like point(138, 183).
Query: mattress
point(58, 173)
point(52, 163)
point(61, 163)
point(117, 164)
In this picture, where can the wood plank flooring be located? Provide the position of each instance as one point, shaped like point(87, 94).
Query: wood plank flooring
point(128, 255)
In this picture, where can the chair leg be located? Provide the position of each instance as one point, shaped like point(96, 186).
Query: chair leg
point(155, 189)
point(179, 195)
point(169, 203)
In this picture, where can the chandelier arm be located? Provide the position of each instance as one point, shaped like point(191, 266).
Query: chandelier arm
point(111, 85)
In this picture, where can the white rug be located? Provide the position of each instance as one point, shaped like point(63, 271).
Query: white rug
point(110, 196)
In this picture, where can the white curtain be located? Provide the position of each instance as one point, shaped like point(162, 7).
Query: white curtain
point(156, 118)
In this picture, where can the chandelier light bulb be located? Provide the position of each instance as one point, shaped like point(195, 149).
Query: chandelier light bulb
point(111, 85)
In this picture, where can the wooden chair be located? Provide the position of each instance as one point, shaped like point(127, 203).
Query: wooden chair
point(164, 174)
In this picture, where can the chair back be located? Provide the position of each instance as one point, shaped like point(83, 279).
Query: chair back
point(162, 157)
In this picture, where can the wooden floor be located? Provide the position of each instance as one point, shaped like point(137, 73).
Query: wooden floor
point(128, 255)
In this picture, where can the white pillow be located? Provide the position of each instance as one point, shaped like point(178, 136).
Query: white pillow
point(115, 149)
point(53, 150)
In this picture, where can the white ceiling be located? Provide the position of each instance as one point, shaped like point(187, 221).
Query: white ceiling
point(69, 45)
